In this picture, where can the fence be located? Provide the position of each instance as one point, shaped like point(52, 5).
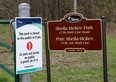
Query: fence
point(10, 47)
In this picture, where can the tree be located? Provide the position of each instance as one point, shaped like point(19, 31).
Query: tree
point(56, 9)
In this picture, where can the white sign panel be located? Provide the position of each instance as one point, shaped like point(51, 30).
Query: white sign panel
point(28, 44)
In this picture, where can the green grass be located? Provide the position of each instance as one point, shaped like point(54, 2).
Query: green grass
point(77, 69)
point(71, 67)
point(4, 77)
point(5, 33)
point(111, 59)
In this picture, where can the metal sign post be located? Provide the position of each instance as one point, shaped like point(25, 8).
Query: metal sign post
point(24, 11)
point(75, 5)
point(104, 49)
point(47, 53)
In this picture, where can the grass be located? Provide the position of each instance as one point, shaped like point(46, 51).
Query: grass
point(5, 33)
point(4, 77)
point(111, 59)
point(77, 68)
point(69, 67)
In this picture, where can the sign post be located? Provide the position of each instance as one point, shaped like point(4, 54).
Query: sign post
point(24, 11)
point(28, 42)
point(47, 53)
point(104, 49)
point(75, 5)
point(74, 33)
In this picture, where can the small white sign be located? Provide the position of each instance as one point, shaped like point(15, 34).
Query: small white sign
point(28, 44)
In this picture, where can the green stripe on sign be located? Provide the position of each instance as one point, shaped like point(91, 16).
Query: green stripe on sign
point(29, 70)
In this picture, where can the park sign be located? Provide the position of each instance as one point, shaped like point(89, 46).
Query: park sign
point(28, 42)
point(74, 33)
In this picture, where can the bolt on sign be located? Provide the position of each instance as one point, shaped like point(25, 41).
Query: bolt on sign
point(75, 33)
point(28, 44)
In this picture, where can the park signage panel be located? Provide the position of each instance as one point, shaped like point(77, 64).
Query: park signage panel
point(28, 42)
point(74, 33)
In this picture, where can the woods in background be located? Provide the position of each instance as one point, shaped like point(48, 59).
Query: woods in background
point(56, 9)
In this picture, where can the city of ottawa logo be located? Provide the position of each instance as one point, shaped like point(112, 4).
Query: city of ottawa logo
point(29, 46)
point(73, 17)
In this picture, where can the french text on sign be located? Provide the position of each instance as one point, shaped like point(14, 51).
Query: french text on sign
point(28, 44)
point(82, 34)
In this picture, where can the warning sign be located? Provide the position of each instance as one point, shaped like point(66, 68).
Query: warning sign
point(74, 33)
point(28, 44)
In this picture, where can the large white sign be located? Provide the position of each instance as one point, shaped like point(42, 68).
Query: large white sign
point(28, 44)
